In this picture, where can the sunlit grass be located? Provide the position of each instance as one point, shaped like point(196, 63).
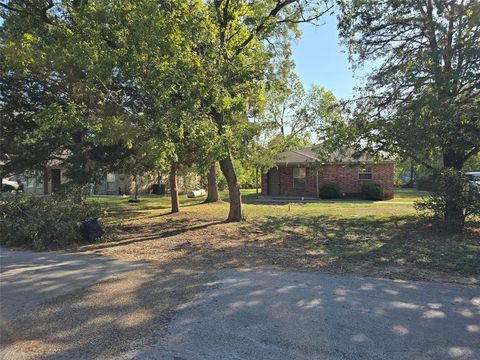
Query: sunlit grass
point(377, 232)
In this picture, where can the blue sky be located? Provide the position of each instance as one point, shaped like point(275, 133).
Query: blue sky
point(321, 60)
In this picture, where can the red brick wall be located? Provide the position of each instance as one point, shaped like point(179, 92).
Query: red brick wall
point(286, 182)
point(345, 176)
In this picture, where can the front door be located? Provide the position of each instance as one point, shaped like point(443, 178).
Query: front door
point(56, 179)
point(273, 182)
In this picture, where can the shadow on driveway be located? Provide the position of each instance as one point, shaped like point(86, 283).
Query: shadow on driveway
point(29, 279)
point(288, 315)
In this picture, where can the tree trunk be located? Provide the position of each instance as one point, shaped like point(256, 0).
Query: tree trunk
point(228, 170)
point(235, 214)
point(136, 187)
point(454, 213)
point(45, 181)
point(212, 195)
point(256, 181)
point(174, 188)
point(412, 175)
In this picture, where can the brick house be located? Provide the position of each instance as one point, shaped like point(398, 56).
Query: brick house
point(300, 173)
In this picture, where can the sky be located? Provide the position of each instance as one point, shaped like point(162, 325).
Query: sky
point(321, 60)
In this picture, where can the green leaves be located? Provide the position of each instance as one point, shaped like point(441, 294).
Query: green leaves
point(423, 100)
point(421, 96)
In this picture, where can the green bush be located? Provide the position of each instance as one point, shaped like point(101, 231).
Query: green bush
point(372, 191)
point(454, 200)
point(42, 223)
point(329, 191)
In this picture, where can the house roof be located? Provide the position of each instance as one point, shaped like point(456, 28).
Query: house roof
point(310, 155)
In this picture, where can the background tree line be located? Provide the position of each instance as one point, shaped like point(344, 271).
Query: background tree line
point(166, 85)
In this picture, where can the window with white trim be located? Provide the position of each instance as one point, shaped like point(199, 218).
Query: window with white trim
point(365, 173)
point(299, 178)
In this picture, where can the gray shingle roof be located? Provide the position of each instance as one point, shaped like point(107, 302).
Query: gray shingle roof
point(310, 155)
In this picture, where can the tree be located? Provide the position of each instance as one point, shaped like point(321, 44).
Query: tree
point(212, 186)
point(192, 144)
point(423, 98)
point(97, 76)
point(246, 34)
point(285, 97)
point(134, 64)
point(53, 102)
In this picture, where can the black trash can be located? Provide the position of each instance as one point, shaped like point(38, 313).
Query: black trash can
point(158, 189)
point(91, 229)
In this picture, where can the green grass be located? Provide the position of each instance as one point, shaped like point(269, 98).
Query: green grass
point(408, 195)
point(254, 208)
point(354, 231)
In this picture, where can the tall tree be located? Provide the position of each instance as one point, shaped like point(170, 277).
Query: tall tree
point(245, 35)
point(423, 98)
point(96, 75)
point(212, 186)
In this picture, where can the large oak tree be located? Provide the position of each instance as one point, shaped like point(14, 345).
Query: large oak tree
point(422, 98)
point(246, 34)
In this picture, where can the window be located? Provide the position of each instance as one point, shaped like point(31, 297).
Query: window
point(30, 182)
point(299, 178)
point(111, 182)
point(365, 173)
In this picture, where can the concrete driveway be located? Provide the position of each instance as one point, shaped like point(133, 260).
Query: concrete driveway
point(287, 315)
point(28, 279)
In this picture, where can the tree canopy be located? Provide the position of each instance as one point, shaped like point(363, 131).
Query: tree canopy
point(422, 98)
point(100, 84)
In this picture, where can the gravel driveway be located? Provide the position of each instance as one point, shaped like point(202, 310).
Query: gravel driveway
point(73, 306)
point(29, 279)
point(287, 315)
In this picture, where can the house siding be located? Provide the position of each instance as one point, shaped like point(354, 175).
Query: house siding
point(345, 176)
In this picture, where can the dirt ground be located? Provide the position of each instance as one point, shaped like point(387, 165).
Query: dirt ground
point(112, 318)
point(201, 243)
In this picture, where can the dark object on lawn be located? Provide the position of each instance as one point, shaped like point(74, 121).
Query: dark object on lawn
point(134, 200)
point(91, 229)
point(158, 189)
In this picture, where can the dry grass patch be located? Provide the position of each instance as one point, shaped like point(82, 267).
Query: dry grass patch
point(369, 238)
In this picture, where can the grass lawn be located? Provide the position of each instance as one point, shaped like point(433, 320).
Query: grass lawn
point(383, 238)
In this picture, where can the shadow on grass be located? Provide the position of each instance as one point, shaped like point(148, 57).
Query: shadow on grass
point(102, 321)
point(252, 199)
point(174, 227)
point(402, 240)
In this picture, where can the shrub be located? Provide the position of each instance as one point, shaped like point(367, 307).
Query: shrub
point(372, 191)
point(222, 184)
point(329, 191)
point(43, 223)
point(426, 183)
point(453, 201)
